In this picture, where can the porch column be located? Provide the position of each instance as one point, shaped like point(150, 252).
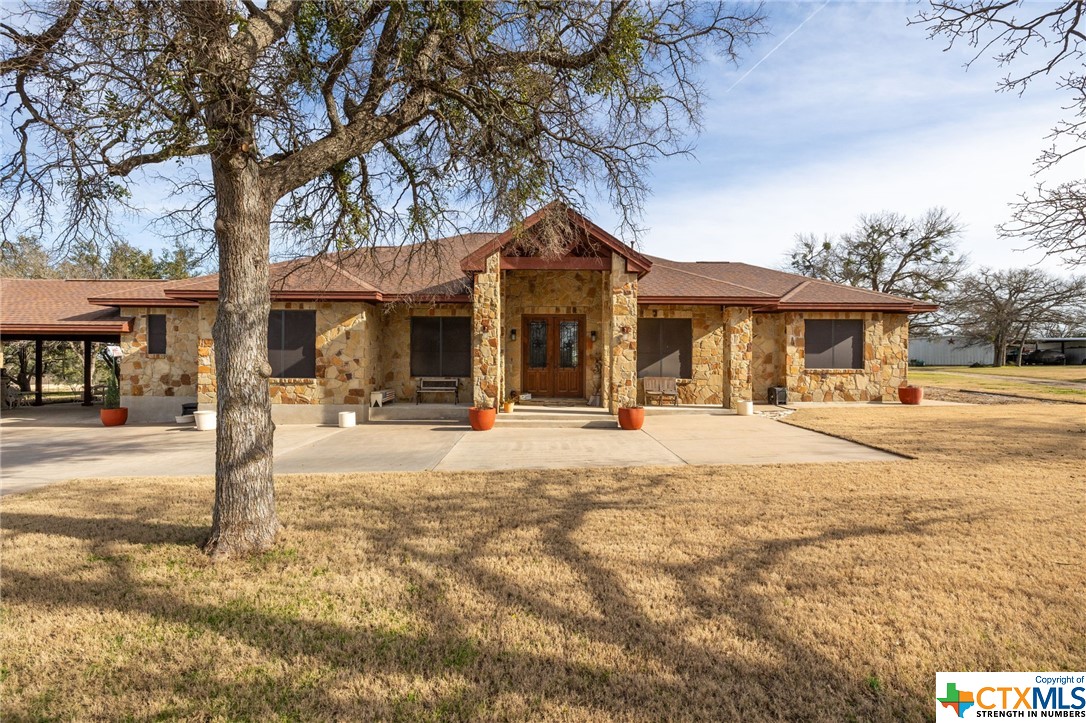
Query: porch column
point(88, 395)
point(486, 334)
point(792, 356)
point(738, 353)
point(38, 369)
point(623, 331)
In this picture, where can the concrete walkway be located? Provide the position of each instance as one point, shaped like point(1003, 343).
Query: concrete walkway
point(40, 447)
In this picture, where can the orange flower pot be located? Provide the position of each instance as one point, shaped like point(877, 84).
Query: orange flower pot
point(113, 417)
point(631, 417)
point(910, 395)
point(482, 420)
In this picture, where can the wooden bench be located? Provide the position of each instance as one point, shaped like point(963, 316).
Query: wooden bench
point(380, 397)
point(661, 388)
point(437, 385)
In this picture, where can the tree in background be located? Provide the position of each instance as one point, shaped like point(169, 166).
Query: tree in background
point(887, 252)
point(345, 124)
point(1008, 306)
point(1049, 38)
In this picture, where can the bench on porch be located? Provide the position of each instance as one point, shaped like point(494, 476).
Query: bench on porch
point(381, 397)
point(437, 385)
point(661, 388)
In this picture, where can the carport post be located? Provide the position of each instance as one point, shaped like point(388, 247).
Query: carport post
point(88, 396)
point(38, 366)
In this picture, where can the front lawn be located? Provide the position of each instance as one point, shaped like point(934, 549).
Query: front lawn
point(1027, 381)
point(809, 592)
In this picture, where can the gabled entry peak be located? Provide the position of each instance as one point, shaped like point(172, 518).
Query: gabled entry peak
point(556, 238)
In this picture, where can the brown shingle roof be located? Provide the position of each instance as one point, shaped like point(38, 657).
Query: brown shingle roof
point(43, 306)
point(434, 271)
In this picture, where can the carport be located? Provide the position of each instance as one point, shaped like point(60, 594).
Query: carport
point(41, 310)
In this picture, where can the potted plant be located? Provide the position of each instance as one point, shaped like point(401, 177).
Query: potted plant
point(508, 405)
point(908, 394)
point(482, 418)
point(112, 413)
point(631, 417)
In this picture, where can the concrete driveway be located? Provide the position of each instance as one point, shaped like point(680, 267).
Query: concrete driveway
point(43, 445)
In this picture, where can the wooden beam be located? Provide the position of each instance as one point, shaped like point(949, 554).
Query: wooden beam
point(88, 395)
point(564, 263)
point(38, 370)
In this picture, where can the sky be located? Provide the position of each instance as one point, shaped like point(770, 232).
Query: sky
point(843, 109)
point(855, 112)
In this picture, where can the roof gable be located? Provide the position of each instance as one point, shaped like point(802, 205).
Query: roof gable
point(589, 236)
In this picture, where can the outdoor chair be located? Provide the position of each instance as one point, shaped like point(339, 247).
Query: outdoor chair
point(14, 397)
point(661, 388)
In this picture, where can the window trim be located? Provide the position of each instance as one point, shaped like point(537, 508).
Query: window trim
point(854, 365)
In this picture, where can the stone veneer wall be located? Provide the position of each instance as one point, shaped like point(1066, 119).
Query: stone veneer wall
point(395, 345)
point(172, 374)
point(767, 355)
point(738, 350)
point(348, 338)
point(553, 292)
point(486, 330)
point(707, 359)
point(886, 359)
point(623, 322)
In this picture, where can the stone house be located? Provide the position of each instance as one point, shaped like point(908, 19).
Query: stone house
point(587, 321)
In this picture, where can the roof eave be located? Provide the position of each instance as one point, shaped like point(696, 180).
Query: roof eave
point(120, 326)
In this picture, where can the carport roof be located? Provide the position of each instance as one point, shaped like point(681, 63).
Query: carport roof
point(60, 308)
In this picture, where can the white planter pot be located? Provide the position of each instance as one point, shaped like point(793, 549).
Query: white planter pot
point(205, 421)
point(744, 409)
point(347, 419)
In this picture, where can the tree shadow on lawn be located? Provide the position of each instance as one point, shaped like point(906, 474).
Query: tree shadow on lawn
point(467, 652)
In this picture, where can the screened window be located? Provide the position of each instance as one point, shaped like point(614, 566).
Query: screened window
point(834, 343)
point(156, 333)
point(664, 348)
point(440, 346)
point(292, 344)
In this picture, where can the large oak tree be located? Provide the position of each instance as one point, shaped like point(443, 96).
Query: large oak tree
point(342, 124)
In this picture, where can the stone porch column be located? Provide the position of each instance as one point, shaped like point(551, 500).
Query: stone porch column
point(486, 334)
point(792, 354)
point(623, 330)
point(207, 385)
point(738, 355)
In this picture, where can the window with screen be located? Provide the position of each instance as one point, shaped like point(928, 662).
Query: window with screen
point(440, 346)
point(664, 348)
point(834, 343)
point(156, 333)
point(292, 344)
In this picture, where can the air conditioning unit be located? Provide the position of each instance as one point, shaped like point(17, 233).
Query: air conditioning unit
point(778, 395)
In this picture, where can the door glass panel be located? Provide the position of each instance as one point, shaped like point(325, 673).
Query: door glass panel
point(537, 343)
point(569, 333)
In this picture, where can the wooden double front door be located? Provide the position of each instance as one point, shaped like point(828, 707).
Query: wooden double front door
point(553, 355)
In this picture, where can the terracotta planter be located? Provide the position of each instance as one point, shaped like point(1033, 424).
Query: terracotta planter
point(910, 395)
point(113, 417)
point(631, 417)
point(482, 420)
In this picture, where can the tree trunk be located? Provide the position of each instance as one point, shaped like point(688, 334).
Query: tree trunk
point(244, 519)
point(1000, 355)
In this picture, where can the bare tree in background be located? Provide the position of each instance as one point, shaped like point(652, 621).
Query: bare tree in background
point(1047, 39)
point(1008, 306)
point(887, 252)
point(346, 124)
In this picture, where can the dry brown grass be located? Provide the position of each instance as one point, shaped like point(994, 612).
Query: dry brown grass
point(1021, 381)
point(799, 592)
